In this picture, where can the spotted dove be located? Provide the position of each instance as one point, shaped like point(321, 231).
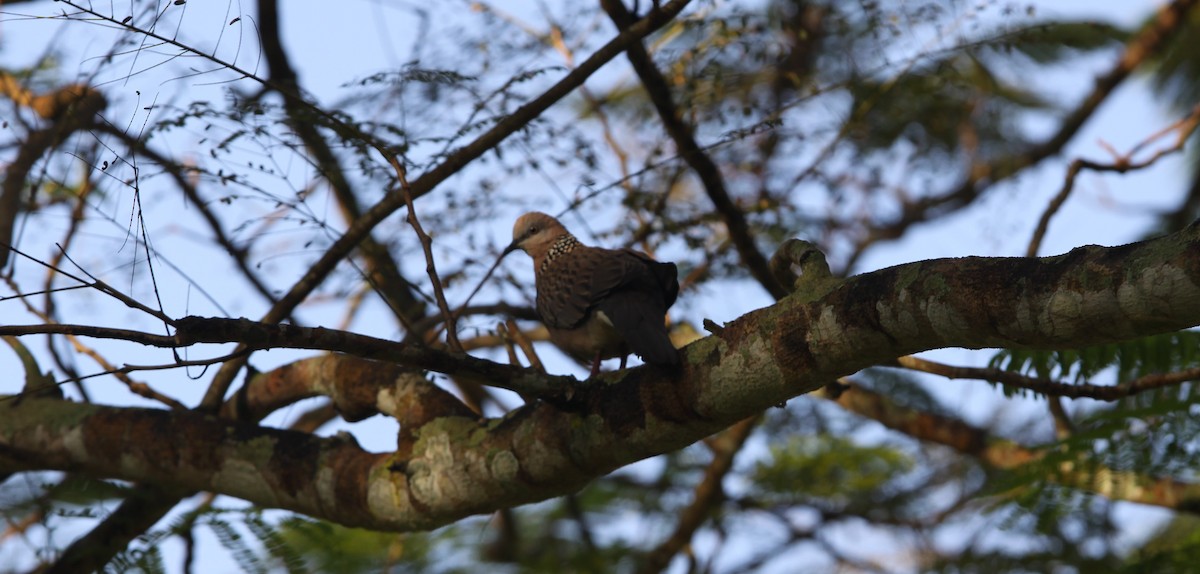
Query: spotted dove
point(598, 303)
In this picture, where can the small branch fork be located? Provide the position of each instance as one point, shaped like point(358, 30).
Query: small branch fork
point(1122, 163)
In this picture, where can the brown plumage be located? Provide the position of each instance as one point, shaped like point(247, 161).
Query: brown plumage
point(598, 303)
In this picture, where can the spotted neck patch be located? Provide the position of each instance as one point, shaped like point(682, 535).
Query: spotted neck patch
point(562, 246)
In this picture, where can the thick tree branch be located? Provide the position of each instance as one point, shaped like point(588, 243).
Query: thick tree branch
point(359, 388)
point(450, 467)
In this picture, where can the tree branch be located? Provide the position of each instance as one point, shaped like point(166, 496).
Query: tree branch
point(1054, 388)
point(1004, 454)
point(682, 134)
point(382, 270)
point(453, 163)
point(1183, 130)
point(1150, 40)
point(455, 466)
point(359, 388)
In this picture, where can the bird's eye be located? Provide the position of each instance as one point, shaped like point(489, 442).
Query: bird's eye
point(533, 229)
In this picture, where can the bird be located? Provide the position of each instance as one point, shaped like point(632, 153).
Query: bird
point(598, 303)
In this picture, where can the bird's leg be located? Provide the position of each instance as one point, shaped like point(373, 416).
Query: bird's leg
point(623, 358)
point(595, 365)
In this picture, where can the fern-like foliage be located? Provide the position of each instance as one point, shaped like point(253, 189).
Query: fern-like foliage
point(1131, 359)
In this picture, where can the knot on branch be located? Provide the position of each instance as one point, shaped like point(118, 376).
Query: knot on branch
point(800, 266)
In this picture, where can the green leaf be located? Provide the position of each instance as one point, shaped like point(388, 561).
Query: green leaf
point(1134, 358)
point(1050, 42)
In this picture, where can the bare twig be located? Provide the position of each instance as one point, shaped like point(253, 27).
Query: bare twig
point(522, 340)
point(430, 263)
point(95, 283)
point(137, 387)
point(1121, 163)
point(130, 335)
point(1051, 388)
point(236, 252)
point(509, 345)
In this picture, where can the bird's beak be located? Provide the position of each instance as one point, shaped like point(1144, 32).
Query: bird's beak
point(515, 245)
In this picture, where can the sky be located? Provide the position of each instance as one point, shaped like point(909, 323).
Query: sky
point(1106, 209)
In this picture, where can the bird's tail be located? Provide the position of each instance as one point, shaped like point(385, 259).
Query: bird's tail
point(640, 323)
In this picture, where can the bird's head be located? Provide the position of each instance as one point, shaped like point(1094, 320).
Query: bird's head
point(534, 233)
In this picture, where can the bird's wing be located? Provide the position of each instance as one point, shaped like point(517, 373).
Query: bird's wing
point(634, 292)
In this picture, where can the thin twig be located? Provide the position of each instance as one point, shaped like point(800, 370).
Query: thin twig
point(509, 345)
point(1120, 164)
point(522, 340)
point(97, 284)
point(236, 252)
point(1051, 388)
point(142, 388)
point(136, 387)
point(430, 263)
